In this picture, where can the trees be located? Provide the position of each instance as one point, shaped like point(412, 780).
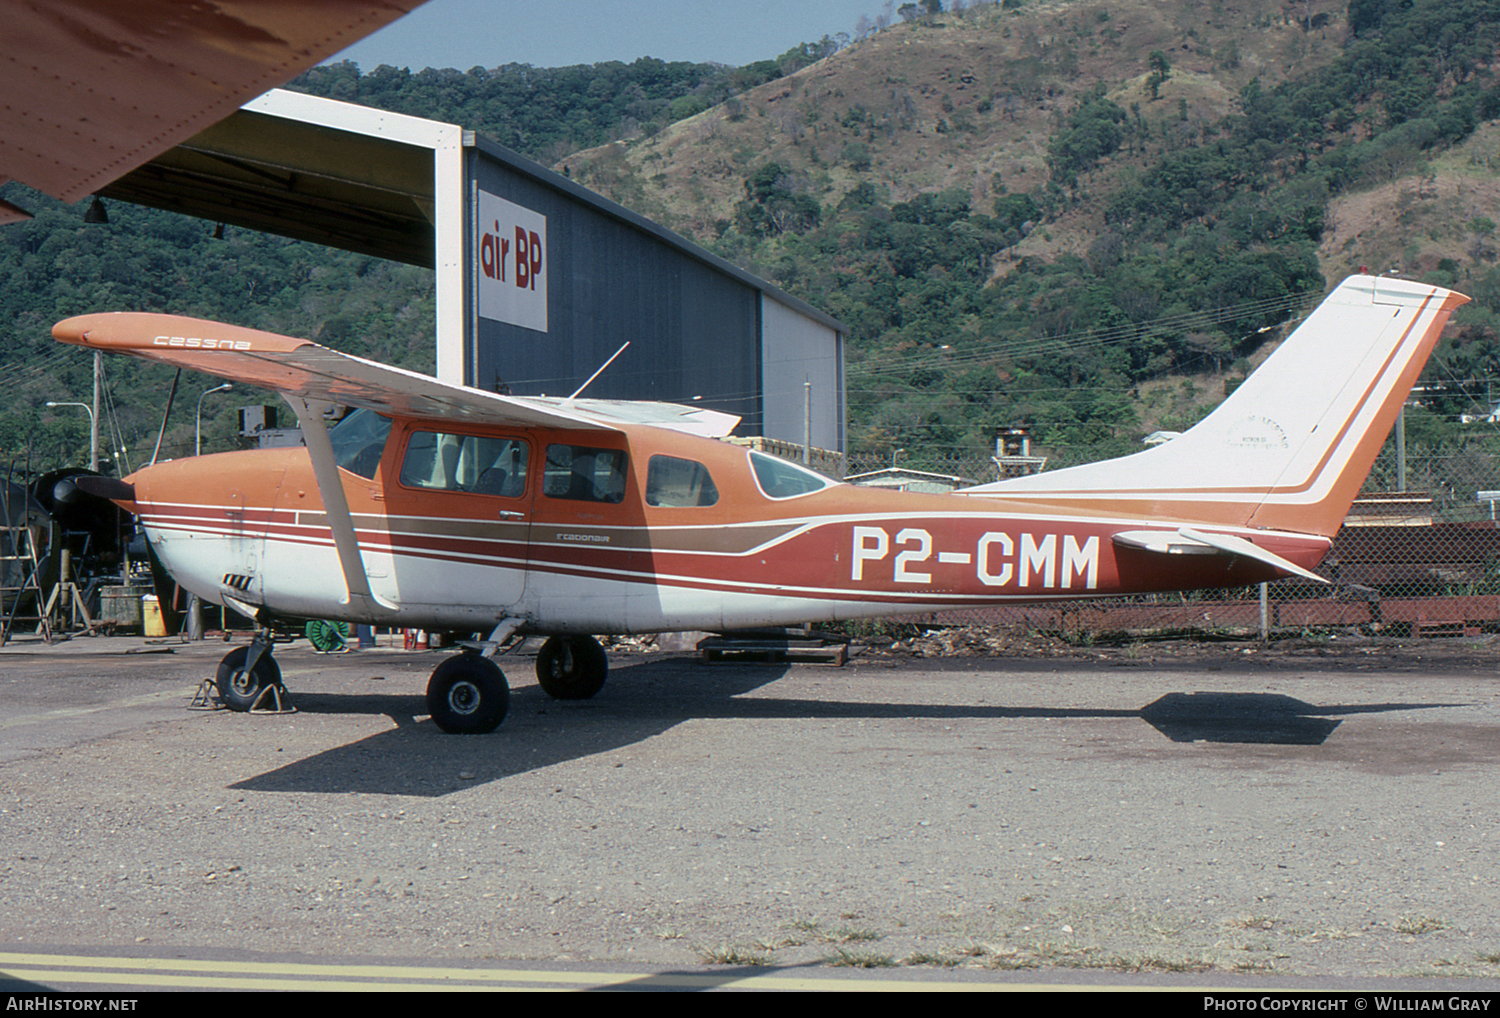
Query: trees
point(774, 203)
point(940, 349)
point(1160, 72)
point(1090, 132)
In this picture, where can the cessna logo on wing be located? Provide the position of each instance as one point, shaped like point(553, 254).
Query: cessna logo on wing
point(200, 343)
point(511, 245)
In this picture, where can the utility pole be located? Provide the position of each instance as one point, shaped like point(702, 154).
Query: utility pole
point(94, 417)
point(1401, 449)
point(807, 424)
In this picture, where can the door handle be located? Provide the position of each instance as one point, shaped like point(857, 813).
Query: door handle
point(508, 514)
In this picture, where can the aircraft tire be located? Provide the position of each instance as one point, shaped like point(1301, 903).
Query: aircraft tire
point(571, 667)
point(468, 695)
point(240, 689)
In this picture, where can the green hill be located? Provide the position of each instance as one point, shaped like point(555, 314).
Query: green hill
point(1089, 218)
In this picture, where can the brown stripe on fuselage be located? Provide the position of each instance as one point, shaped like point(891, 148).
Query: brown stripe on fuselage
point(731, 540)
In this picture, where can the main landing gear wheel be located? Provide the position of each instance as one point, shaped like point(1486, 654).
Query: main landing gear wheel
point(571, 667)
point(257, 688)
point(468, 695)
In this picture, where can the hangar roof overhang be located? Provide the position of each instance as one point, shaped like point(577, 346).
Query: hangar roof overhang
point(358, 179)
point(366, 185)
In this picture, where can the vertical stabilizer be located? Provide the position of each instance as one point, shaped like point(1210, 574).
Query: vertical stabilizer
point(1291, 447)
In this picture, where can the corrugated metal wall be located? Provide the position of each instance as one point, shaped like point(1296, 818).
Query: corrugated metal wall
point(698, 333)
point(693, 331)
point(798, 352)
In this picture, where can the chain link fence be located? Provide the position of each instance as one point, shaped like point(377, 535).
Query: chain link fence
point(1418, 555)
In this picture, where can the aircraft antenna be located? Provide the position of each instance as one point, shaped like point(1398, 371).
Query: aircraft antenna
point(596, 374)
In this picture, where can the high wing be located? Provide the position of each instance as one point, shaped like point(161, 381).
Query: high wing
point(302, 369)
point(92, 89)
point(311, 377)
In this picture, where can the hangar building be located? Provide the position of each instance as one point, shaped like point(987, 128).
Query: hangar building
point(539, 281)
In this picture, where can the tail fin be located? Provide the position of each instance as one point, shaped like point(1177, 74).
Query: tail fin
point(1291, 447)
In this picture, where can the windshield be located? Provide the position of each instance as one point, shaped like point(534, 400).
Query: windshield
point(358, 441)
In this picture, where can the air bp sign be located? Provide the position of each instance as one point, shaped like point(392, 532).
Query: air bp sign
point(512, 253)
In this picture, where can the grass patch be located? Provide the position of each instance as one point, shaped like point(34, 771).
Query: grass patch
point(845, 958)
point(812, 930)
point(1256, 965)
point(1150, 963)
point(734, 954)
point(1008, 958)
point(1416, 925)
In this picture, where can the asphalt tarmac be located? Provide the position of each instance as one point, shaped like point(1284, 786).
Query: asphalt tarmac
point(1228, 812)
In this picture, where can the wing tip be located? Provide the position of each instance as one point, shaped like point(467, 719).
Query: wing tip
point(73, 330)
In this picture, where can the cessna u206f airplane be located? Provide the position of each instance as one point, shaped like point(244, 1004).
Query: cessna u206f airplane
point(437, 506)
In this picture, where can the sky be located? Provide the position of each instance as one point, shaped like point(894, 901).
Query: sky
point(488, 33)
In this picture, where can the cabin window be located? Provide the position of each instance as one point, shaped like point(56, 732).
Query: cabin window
point(583, 474)
point(780, 478)
point(481, 465)
point(674, 482)
point(359, 440)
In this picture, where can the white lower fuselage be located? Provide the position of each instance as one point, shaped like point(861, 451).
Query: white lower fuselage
point(582, 577)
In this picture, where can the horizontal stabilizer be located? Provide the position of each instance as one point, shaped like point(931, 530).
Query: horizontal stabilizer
point(1188, 541)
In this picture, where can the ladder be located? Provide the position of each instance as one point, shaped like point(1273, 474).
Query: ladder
point(18, 558)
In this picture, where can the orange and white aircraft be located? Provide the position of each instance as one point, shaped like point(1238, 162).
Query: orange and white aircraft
point(442, 507)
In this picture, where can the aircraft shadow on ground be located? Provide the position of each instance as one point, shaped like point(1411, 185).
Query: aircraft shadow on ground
point(645, 700)
point(1266, 718)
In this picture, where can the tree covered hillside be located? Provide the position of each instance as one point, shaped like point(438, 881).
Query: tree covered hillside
point(1159, 242)
point(1089, 218)
point(55, 265)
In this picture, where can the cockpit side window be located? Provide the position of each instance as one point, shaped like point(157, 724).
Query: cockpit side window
point(780, 478)
point(359, 441)
point(583, 474)
point(675, 482)
point(481, 465)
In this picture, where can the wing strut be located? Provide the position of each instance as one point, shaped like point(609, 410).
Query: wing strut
point(336, 507)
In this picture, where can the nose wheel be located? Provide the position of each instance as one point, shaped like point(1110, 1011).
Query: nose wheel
point(249, 679)
point(571, 667)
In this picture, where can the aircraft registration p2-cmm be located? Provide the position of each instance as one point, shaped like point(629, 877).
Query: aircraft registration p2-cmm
point(442, 507)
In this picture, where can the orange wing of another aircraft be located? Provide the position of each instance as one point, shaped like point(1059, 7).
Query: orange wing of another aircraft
point(91, 89)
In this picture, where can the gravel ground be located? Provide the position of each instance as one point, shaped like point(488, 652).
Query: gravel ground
point(1308, 809)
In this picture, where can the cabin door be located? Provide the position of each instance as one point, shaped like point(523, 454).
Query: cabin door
point(460, 521)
